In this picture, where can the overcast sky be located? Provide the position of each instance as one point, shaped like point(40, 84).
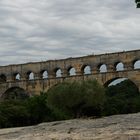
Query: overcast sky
point(39, 30)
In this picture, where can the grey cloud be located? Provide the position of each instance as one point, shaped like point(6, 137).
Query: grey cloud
point(33, 30)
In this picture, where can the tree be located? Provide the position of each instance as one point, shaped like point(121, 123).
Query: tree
point(76, 99)
point(38, 109)
point(122, 98)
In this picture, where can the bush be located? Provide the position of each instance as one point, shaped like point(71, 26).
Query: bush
point(76, 99)
point(38, 109)
point(94, 98)
point(13, 114)
point(122, 98)
point(32, 111)
point(71, 100)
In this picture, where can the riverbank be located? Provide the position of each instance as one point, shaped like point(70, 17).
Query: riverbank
point(117, 127)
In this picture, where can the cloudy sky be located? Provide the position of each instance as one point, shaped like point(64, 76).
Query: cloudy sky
point(39, 30)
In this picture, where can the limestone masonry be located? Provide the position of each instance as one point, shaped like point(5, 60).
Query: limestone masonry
point(30, 76)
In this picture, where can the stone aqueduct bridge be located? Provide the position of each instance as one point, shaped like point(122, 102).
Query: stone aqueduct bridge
point(30, 76)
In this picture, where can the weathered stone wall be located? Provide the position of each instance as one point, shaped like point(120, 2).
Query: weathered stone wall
point(38, 84)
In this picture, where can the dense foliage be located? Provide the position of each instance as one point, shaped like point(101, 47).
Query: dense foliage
point(122, 98)
point(71, 100)
point(77, 99)
point(24, 112)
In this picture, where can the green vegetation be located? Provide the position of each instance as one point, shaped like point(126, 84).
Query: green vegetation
point(77, 99)
point(71, 100)
point(122, 98)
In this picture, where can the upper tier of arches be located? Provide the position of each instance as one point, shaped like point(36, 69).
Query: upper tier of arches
point(71, 67)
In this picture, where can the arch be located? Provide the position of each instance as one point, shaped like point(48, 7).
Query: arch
point(86, 69)
point(119, 66)
point(58, 72)
point(15, 93)
point(136, 64)
point(124, 87)
point(17, 76)
point(117, 80)
point(30, 75)
point(44, 74)
point(107, 83)
point(72, 71)
point(3, 78)
point(102, 68)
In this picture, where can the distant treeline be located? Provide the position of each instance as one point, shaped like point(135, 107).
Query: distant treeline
point(71, 100)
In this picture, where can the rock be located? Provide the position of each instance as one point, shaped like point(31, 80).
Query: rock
point(118, 127)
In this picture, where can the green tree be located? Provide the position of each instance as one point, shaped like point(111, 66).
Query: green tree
point(32, 111)
point(122, 98)
point(13, 113)
point(76, 99)
point(94, 98)
point(37, 108)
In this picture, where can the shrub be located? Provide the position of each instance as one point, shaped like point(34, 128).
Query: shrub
point(94, 98)
point(122, 98)
point(32, 111)
point(13, 113)
point(38, 109)
point(77, 99)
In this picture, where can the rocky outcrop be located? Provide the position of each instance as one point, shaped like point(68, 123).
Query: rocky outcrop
point(118, 127)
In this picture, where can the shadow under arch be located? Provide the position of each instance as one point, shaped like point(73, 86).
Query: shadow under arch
point(15, 93)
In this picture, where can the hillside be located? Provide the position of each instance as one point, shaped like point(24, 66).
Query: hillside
point(118, 127)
